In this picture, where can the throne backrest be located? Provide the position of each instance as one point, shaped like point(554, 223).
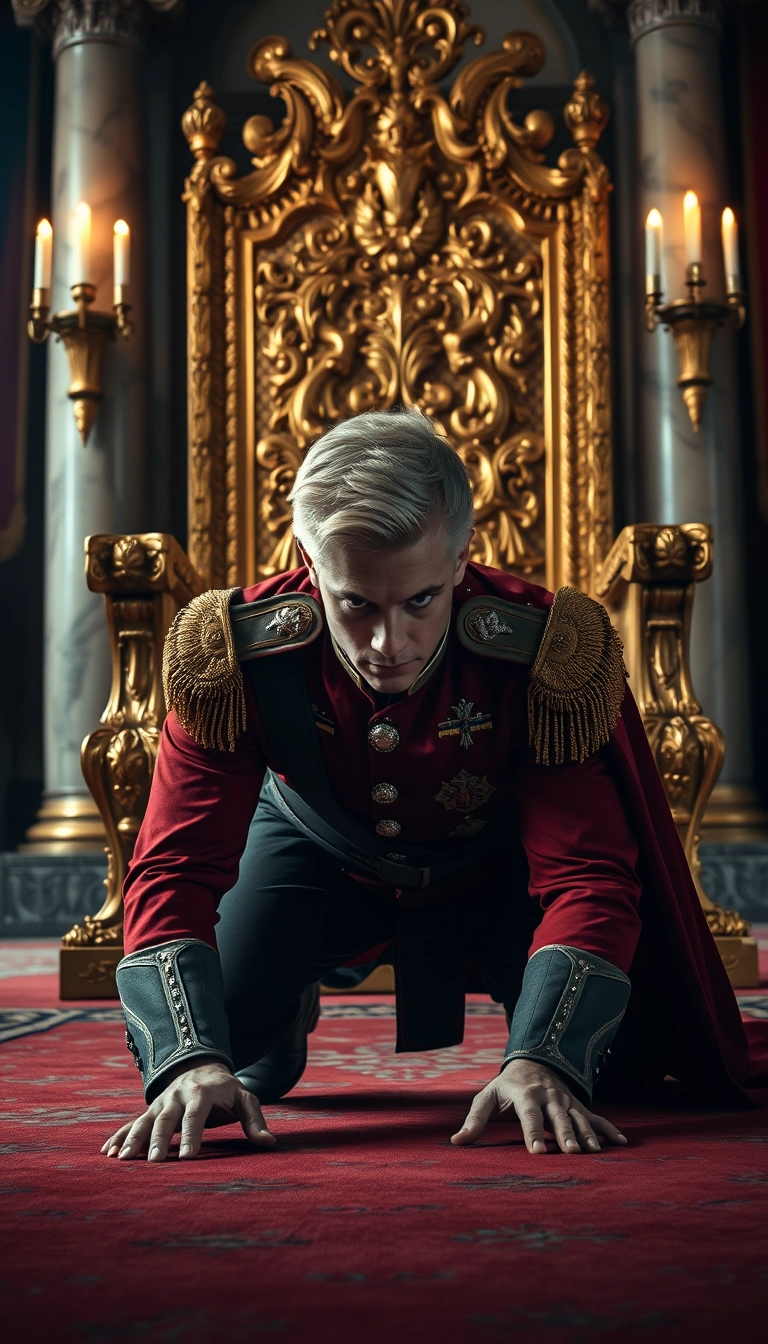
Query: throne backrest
point(403, 245)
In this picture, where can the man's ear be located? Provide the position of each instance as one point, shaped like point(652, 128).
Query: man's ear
point(463, 561)
point(309, 562)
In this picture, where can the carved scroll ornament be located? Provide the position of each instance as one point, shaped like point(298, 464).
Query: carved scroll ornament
point(400, 246)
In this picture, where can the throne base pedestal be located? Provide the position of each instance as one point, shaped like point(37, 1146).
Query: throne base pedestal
point(89, 972)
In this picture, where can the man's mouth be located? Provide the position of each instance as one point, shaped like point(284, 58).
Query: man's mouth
point(389, 669)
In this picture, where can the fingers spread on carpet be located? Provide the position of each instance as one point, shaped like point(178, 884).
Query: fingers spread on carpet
point(532, 1122)
point(138, 1135)
point(115, 1143)
point(604, 1127)
point(252, 1120)
point(584, 1131)
point(163, 1131)
point(482, 1109)
point(560, 1124)
point(197, 1110)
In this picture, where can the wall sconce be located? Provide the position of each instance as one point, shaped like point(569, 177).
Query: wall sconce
point(693, 321)
point(83, 330)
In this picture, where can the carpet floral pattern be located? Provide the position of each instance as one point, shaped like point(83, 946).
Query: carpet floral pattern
point(364, 1224)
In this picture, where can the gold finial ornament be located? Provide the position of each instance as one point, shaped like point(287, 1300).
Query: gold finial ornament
point(586, 114)
point(204, 123)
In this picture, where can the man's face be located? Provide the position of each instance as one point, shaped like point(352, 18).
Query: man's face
point(388, 610)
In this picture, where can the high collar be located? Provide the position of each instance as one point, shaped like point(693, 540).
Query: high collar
point(421, 680)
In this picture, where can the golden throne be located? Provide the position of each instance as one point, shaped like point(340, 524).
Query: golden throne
point(402, 245)
point(405, 244)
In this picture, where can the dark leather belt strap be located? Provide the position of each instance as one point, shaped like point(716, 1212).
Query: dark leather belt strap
point(281, 693)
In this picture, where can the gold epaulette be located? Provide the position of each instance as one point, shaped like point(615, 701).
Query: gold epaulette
point(205, 646)
point(577, 677)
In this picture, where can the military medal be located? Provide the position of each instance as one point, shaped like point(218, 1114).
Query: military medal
point(464, 724)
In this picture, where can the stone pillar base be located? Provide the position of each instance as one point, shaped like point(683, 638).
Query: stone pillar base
point(67, 823)
point(88, 972)
point(734, 816)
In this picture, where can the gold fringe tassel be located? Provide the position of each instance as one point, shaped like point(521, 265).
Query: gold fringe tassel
point(577, 681)
point(202, 679)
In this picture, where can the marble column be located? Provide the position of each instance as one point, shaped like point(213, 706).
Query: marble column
point(98, 157)
point(683, 475)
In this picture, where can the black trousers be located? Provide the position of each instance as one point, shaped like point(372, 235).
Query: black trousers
point(295, 915)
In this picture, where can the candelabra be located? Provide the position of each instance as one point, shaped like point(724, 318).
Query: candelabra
point(694, 320)
point(84, 330)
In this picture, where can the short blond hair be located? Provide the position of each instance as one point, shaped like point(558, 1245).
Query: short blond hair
point(381, 479)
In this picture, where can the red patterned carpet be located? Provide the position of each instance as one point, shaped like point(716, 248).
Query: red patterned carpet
point(364, 1224)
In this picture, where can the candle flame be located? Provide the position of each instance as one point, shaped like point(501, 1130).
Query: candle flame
point(83, 211)
point(690, 200)
point(122, 228)
point(728, 216)
point(654, 220)
point(44, 229)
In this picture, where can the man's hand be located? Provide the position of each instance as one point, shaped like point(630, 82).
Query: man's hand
point(206, 1095)
point(540, 1100)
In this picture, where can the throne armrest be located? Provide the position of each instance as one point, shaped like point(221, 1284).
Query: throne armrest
point(145, 579)
point(648, 583)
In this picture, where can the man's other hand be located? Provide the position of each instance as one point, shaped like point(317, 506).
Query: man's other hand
point(541, 1101)
point(204, 1096)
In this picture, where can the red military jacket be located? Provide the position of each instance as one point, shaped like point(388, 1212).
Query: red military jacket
point(460, 762)
point(606, 864)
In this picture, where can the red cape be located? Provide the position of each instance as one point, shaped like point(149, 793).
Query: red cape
point(683, 1017)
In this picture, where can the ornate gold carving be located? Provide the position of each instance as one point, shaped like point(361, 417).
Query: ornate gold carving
point(203, 124)
point(145, 579)
point(400, 246)
point(648, 580)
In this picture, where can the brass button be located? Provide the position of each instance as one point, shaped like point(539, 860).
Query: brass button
point(383, 736)
point(384, 793)
point(388, 828)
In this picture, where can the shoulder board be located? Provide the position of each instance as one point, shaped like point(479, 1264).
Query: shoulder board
point(205, 645)
point(577, 679)
point(499, 629)
point(272, 624)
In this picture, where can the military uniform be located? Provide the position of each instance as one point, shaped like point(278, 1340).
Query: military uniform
point(507, 772)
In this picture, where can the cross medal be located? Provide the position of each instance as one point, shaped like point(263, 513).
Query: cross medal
point(464, 724)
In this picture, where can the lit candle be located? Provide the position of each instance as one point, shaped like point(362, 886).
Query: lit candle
point(692, 215)
point(730, 230)
point(122, 255)
point(81, 243)
point(654, 234)
point(43, 255)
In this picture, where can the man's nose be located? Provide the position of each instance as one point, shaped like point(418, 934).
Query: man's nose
point(389, 637)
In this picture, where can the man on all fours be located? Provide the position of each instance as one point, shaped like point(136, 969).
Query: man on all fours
point(403, 749)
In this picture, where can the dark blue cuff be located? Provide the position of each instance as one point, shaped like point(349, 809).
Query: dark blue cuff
point(173, 1000)
point(568, 1013)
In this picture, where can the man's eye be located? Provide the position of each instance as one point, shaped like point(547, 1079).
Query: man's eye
point(423, 601)
point(354, 603)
